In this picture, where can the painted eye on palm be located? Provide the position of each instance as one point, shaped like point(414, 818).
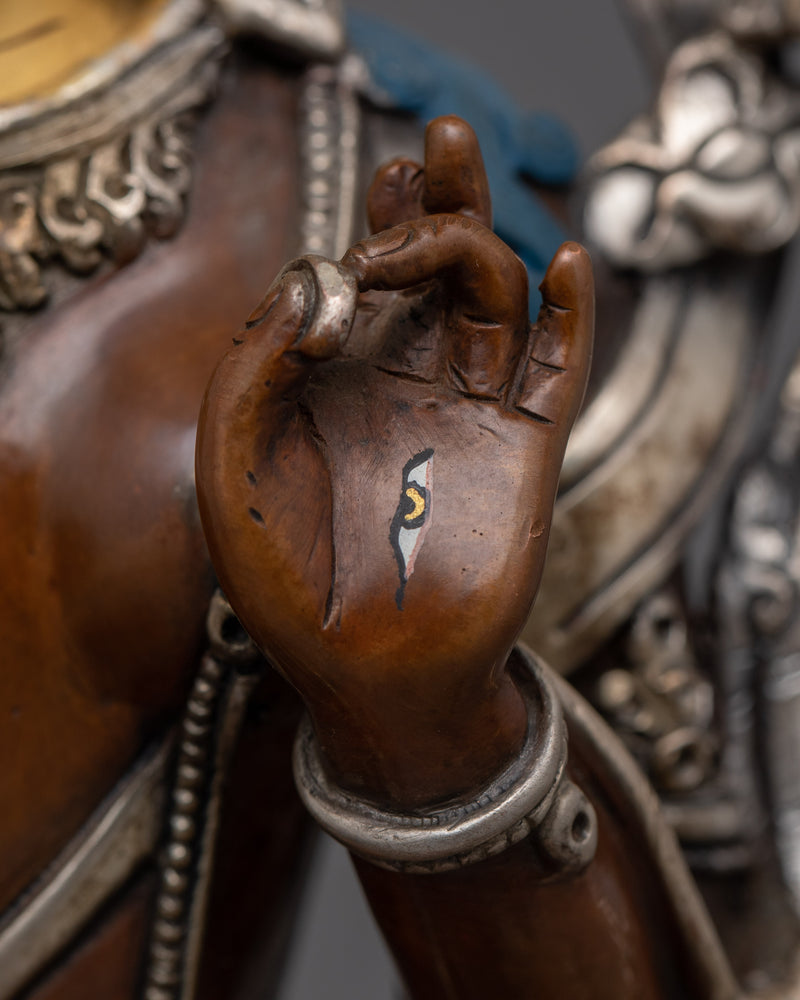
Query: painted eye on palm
point(412, 519)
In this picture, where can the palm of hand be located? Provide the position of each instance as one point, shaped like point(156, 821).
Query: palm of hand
point(438, 517)
point(377, 473)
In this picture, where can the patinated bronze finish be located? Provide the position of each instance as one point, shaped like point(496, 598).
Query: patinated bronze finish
point(103, 614)
point(405, 385)
point(378, 463)
point(301, 458)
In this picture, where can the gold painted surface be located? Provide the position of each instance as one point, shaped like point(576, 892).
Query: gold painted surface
point(418, 501)
point(46, 43)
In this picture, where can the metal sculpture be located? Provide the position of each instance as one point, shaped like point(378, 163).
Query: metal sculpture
point(377, 467)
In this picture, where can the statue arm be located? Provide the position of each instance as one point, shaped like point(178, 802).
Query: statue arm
point(496, 862)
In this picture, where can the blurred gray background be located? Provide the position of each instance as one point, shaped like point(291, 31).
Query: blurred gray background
point(576, 59)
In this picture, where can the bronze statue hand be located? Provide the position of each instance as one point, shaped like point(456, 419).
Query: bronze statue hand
point(377, 463)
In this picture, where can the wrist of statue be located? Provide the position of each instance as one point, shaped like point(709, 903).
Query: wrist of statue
point(413, 758)
point(532, 796)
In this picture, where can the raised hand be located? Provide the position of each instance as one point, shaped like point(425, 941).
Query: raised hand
point(377, 463)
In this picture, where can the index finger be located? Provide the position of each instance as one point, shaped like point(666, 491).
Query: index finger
point(482, 293)
point(488, 280)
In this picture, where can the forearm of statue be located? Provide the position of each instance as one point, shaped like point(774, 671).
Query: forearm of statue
point(552, 916)
point(377, 463)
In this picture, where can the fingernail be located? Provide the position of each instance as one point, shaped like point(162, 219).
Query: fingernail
point(568, 277)
point(264, 308)
point(384, 243)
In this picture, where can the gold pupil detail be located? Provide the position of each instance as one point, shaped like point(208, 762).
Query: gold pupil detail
point(418, 501)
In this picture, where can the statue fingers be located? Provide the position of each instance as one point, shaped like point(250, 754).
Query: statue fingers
point(453, 180)
point(251, 403)
point(395, 195)
point(553, 380)
point(484, 293)
point(455, 177)
point(309, 309)
point(263, 487)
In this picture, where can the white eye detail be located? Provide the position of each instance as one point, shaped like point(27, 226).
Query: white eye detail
point(413, 516)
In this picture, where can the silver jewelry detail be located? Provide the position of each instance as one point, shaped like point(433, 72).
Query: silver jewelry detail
point(208, 734)
point(93, 171)
point(330, 293)
point(531, 798)
point(125, 831)
point(330, 130)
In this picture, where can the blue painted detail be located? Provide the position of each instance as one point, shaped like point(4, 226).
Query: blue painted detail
point(427, 83)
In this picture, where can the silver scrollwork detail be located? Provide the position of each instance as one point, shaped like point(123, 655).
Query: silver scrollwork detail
point(92, 172)
point(715, 167)
point(80, 208)
point(662, 705)
point(21, 243)
point(663, 24)
point(691, 737)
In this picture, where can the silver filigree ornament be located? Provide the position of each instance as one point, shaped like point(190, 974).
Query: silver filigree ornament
point(21, 243)
point(715, 167)
point(662, 706)
point(91, 172)
point(667, 712)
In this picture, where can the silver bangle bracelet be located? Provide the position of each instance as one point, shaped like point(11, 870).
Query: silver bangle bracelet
point(531, 798)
